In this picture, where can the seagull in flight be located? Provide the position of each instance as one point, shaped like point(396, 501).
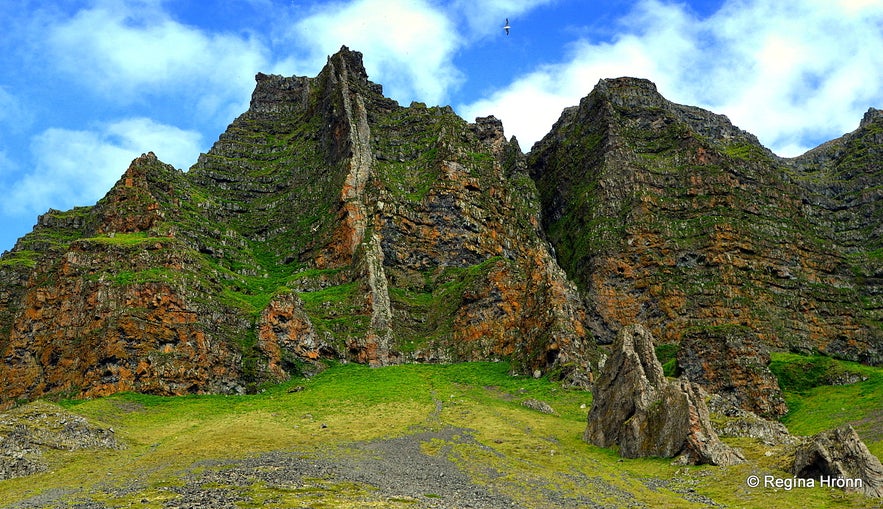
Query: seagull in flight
point(506, 27)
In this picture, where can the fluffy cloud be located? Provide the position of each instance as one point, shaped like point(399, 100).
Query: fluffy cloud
point(776, 68)
point(792, 72)
point(812, 69)
point(7, 166)
point(127, 49)
point(13, 115)
point(77, 167)
point(408, 45)
point(530, 105)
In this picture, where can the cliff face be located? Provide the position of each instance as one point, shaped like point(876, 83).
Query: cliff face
point(110, 298)
point(669, 216)
point(326, 222)
point(330, 222)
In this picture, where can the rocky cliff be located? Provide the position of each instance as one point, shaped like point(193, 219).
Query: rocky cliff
point(326, 222)
point(329, 222)
point(669, 216)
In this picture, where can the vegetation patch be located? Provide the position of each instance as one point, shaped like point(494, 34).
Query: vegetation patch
point(125, 239)
point(746, 151)
point(815, 405)
point(799, 374)
point(151, 275)
point(668, 356)
point(20, 258)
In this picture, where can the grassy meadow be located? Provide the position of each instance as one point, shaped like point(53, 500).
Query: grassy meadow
point(537, 459)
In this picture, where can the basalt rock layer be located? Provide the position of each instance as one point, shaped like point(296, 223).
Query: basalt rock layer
point(328, 221)
point(669, 216)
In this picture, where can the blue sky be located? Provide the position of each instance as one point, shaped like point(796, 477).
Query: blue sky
point(88, 85)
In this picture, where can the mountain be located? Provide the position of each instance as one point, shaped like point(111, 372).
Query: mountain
point(330, 223)
point(327, 222)
point(669, 216)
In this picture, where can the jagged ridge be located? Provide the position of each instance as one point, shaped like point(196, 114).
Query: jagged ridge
point(326, 222)
point(669, 216)
point(330, 222)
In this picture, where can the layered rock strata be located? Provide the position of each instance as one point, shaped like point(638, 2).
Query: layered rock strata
point(670, 216)
point(326, 222)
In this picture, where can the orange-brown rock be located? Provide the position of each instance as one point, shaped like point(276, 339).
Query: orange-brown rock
point(84, 331)
point(286, 336)
point(670, 216)
point(326, 222)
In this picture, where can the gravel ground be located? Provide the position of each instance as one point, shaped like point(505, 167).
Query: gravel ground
point(392, 472)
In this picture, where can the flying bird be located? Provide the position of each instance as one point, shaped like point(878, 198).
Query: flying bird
point(506, 27)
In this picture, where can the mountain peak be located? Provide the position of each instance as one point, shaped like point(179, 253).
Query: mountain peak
point(274, 93)
point(871, 116)
point(327, 221)
point(629, 92)
point(626, 82)
point(352, 60)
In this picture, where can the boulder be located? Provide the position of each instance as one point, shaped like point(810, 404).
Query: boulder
point(19, 457)
point(539, 406)
point(840, 454)
point(637, 409)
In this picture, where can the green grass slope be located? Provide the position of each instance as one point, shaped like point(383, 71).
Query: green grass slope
point(536, 459)
point(823, 393)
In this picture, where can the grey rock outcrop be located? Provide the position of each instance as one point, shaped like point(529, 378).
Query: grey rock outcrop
point(740, 423)
point(840, 453)
point(26, 431)
point(638, 410)
point(539, 406)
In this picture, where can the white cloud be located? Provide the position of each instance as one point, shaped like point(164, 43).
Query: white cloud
point(530, 105)
point(814, 69)
point(11, 115)
point(11, 111)
point(172, 145)
point(124, 50)
point(7, 166)
point(408, 45)
point(794, 73)
point(78, 167)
